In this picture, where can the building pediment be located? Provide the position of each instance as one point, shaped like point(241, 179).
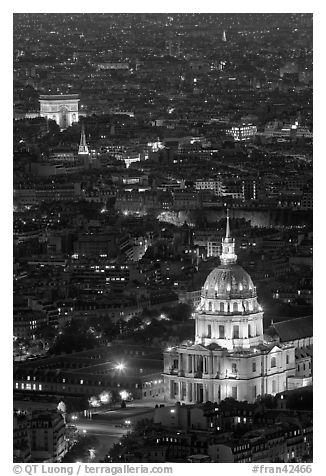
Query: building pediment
point(198, 347)
point(275, 348)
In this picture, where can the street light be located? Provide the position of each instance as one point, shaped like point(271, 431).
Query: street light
point(104, 397)
point(124, 395)
point(120, 366)
point(94, 402)
point(91, 453)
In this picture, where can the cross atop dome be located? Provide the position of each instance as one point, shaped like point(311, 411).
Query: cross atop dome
point(228, 255)
point(227, 233)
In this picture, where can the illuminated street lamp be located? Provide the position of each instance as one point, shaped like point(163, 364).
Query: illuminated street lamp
point(163, 317)
point(92, 453)
point(94, 402)
point(124, 395)
point(105, 397)
point(120, 366)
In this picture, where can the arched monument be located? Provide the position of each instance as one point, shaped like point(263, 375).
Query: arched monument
point(62, 108)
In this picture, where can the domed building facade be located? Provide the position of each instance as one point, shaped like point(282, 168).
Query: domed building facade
point(230, 357)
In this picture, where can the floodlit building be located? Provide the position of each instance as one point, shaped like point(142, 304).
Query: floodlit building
point(243, 132)
point(61, 108)
point(231, 356)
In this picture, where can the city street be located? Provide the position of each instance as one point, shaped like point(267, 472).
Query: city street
point(103, 425)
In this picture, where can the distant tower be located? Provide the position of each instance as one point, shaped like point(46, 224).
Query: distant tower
point(83, 148)
point(224, 36)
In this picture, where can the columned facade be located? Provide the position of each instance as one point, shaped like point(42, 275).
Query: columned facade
point(230, 356)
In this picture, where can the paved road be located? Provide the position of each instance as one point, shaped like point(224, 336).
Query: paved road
point(103, 426)
point(100, 428)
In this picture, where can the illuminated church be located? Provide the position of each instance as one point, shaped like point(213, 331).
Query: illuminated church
point(231, 356)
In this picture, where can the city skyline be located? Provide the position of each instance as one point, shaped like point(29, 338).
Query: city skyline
point(163, 202)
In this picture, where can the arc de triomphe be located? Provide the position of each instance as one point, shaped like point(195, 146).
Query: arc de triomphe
point(62, 108)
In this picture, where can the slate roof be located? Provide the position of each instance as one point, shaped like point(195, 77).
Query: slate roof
point(292, 329)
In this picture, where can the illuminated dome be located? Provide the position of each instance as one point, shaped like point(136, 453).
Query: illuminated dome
point(228, 313)
point(228, 280)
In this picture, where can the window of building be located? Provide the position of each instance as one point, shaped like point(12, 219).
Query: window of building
point(209, 306)
point(273, 362)
point(254, 392)
point(235, 307)
point(205, 365)
point(287, 358)
point(235, 393)
point(221, 332)
point(222, 306)
point(235, 332)
point(234, 368)
point(209, 330)
point(254, 366)
point(190, 363)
